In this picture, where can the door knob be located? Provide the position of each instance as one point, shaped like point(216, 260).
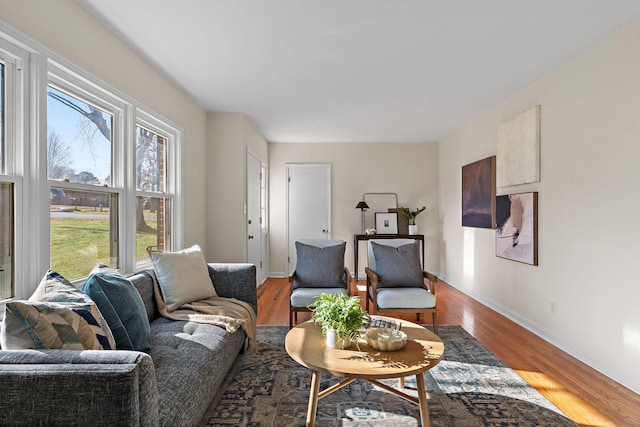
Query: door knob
point(250, 236)
point(325, 231)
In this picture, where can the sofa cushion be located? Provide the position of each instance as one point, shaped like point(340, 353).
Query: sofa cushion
point(144, 281)
point(304, 297)
point(55, 288)
point(122, 307)
point(49, 325)
point(191, 360)
point(183, 276)
point(398, 266)
point(320, 266)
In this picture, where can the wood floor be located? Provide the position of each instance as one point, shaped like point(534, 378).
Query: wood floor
point(584, 395)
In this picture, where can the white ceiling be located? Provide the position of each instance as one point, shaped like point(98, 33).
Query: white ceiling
point(358, 70)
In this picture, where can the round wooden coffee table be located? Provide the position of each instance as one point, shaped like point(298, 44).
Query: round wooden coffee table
point(423, 351)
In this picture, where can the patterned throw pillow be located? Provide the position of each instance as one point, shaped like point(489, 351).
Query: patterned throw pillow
point(49, 325)
point(54, 288)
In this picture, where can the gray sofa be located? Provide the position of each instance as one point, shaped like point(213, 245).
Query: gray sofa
point(171, 386)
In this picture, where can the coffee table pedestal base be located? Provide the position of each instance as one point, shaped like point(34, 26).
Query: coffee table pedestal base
point(315, 394)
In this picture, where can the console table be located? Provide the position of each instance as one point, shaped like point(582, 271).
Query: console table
point(358, 237)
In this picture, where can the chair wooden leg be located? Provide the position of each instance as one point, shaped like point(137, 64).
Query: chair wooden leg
point(290, 319)
point(435, 323)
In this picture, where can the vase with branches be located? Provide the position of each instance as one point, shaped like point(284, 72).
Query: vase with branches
point(411, 215)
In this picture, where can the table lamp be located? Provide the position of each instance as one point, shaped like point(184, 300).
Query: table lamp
point(362, 206)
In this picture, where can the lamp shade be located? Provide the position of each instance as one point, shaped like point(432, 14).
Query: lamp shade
point(362, 205)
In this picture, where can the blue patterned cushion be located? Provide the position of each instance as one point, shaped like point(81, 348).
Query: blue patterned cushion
point(122, 307)
point(319, 267)
point(55, 288)
point(49, 325)
point(398, 267)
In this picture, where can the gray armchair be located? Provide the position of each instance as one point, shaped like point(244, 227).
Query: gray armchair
point(396, 281)
point(319, 269)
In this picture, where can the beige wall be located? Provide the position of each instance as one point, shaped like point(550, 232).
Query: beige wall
point(66, 28)
point(408, 169)
point(229, 137)
point(588, 210)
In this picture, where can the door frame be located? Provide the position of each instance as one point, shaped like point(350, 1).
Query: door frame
point(264, 235)
point(288, 167)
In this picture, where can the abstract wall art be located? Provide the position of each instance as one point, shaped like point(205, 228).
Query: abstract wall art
point(518, 149)
point(479, 193)
point(517, 227)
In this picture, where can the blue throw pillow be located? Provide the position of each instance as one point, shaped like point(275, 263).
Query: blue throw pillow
point(123, 308)
point(320, 267)
point(398, 267)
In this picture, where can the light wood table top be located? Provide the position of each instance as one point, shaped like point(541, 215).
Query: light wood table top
point(424, 350)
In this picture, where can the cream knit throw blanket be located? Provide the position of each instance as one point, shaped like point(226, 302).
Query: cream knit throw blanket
point(228, 313)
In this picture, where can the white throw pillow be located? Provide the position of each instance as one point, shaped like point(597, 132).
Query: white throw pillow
point(183, 276)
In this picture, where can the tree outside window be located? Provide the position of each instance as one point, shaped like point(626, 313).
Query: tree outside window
point(152, 204)
point(83, 216)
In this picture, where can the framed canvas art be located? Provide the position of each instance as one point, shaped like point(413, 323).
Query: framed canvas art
point(479, 193)
point(386, 222)
point(518, 148)
point(517, 227)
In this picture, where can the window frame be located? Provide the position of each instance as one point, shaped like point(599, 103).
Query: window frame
point(17, 104)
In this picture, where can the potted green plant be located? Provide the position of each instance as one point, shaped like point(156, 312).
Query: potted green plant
point(341, 318)
point(411, 216)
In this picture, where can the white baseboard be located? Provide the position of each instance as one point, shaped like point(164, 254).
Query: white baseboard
point(616, 374)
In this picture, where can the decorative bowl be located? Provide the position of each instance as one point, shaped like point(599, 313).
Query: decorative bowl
point(386, 339)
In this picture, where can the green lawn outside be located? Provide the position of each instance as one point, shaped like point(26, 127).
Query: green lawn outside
point(78, 244)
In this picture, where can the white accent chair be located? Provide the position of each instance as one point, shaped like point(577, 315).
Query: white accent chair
point(396, 280)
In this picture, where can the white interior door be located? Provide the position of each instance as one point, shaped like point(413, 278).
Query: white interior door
point(256, 216)
point(308, 205)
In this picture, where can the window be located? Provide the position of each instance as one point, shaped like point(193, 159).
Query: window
point(6, 241)
point(6, 210)
point(2, 109)
point(79, 140)
point(152, 203)
point(86, 175)
point(90, 163)
point(83, 204)
point(11, 61)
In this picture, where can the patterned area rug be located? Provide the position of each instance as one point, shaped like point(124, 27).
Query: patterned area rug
point(469, 387)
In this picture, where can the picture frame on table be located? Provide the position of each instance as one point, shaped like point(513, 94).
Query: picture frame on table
point(386, 222)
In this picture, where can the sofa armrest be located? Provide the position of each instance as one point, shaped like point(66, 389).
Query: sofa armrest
point(56, 387)
point(235, 280)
